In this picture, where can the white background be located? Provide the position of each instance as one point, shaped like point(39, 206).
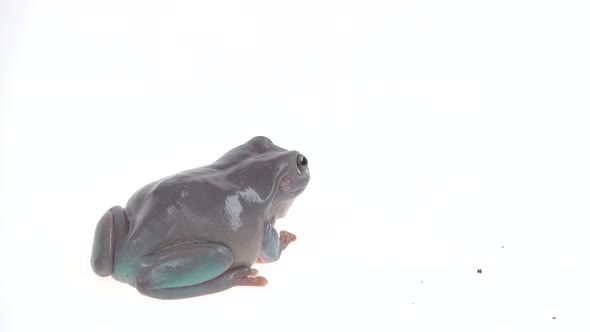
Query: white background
point(443, 137)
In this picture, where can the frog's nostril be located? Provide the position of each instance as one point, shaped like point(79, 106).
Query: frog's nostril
point(301, 163)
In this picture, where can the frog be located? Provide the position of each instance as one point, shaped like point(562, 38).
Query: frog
point(200, 231)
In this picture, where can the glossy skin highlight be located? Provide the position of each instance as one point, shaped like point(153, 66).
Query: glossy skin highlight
point(199, 231)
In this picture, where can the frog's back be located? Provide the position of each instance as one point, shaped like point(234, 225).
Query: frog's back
point(158, 212)
point(185, 208)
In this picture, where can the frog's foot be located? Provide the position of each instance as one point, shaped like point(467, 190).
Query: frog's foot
point(286, 238)
point(108, 237)
point(245, 276)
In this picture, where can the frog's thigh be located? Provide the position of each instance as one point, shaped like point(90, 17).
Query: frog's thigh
point(108, 238)
point(177, 272)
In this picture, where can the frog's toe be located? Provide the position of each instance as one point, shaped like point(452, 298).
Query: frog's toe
point(245, 276)
point(253, 281)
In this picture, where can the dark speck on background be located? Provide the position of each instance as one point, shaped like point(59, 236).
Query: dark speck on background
point(479, 271)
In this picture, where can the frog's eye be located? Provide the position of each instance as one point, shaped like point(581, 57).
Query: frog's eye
point(301, 164)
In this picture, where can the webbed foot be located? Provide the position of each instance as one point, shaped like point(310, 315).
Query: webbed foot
point(286, 238)
point(245, 276)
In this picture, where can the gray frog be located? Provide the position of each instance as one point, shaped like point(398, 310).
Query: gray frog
point(199, 231)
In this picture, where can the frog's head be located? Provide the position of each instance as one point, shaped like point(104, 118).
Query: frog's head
point(270, 171)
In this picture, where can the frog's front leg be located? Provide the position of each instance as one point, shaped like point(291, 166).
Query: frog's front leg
point(193, 269)
point(273, 244)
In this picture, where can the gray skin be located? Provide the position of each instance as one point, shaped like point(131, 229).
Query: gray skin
point(199, 231)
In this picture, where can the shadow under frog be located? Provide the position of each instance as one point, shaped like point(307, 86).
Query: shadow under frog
point(199, 231)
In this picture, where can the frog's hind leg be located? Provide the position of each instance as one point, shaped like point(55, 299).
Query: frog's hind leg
point(193, 269)
point(108, 237)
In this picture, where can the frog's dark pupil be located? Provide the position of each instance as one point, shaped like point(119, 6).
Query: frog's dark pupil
point(302, 160)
